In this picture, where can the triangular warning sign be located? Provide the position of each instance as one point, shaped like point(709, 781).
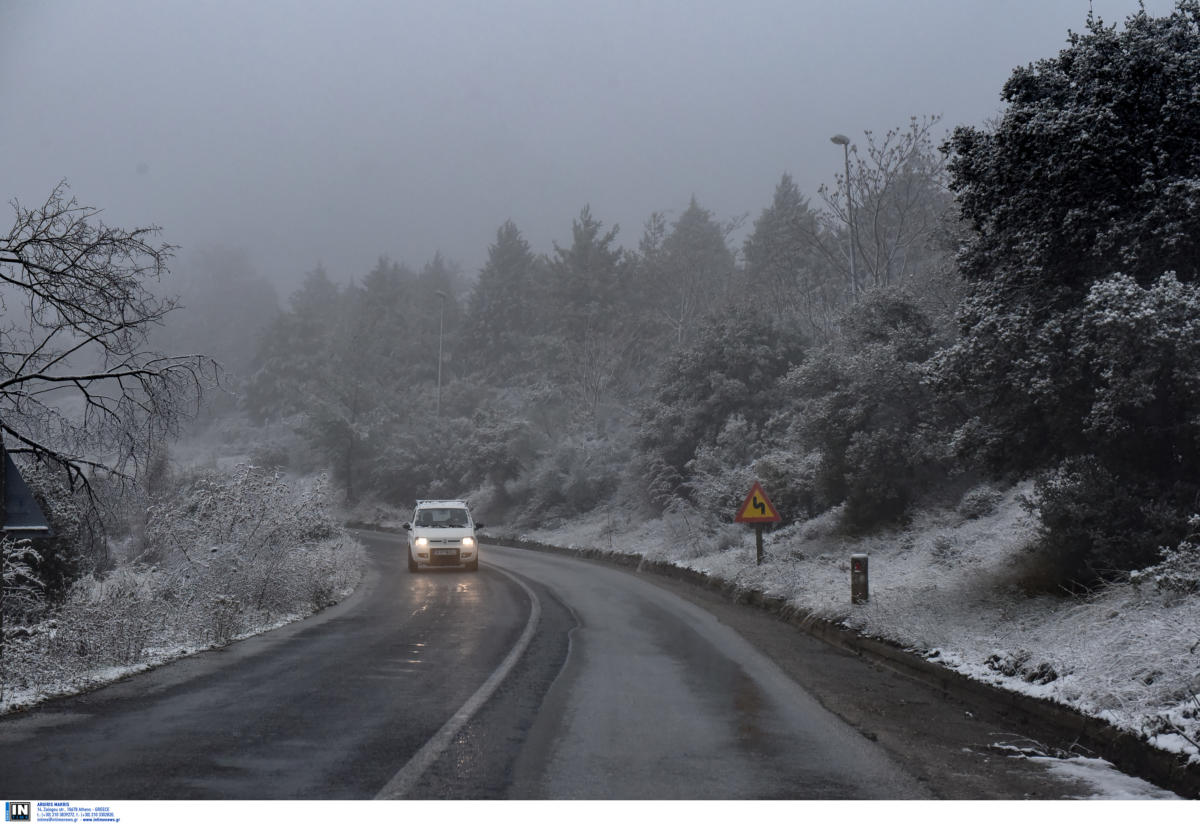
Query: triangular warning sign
point(757, 508)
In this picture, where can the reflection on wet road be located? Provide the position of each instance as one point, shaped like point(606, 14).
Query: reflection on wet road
point(328, 708)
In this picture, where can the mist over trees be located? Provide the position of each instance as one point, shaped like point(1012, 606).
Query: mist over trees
point(655, 376)
point(1022, 303)
point(666, 373)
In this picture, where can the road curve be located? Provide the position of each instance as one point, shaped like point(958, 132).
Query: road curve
point(658, 699)
point(437, 686)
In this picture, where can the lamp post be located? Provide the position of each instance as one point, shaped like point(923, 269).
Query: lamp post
point(437, 410)
point(844, 142)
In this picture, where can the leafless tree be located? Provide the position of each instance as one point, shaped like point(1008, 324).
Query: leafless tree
point(79, 385)
point(900, 203)
point(599, 365)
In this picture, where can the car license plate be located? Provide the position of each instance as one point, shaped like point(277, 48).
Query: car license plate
point(445, 552)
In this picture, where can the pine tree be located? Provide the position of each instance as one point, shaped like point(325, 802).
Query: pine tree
point(691, 275)
point(501, 311)
point(784, 266)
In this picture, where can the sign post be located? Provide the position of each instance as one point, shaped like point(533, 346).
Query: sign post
point(757, 509)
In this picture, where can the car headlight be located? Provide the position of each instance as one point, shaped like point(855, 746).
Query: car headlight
point(468, 542)
point(422, 542)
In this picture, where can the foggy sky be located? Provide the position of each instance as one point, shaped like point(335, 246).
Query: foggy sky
point(342, 131)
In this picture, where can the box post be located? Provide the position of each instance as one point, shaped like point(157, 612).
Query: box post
point(859, 584)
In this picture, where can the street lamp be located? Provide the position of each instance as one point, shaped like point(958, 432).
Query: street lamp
point(844, 142)
point(437, 410)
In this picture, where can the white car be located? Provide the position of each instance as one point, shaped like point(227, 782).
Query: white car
point(442, 534)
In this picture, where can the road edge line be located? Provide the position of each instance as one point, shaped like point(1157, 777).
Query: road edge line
point(408, 775)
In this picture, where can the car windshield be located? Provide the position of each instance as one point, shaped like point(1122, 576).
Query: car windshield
point(442, 517)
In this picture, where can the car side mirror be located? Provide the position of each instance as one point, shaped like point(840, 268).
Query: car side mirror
point(407, 526)
point(479, 526)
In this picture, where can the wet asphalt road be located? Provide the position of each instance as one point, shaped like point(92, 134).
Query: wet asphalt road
point(628, 689)
point(661, 700)
point(328, 708)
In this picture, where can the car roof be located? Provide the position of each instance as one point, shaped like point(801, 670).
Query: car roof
point(424, 504)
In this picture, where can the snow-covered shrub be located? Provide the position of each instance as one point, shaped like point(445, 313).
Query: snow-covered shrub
point(979, 502)
point(662, 482)
point(722, 473)
point(252, 509)
point(110, 621)
point(248, 545)
point(1095, 391)
point(1094, 524)
point(575, 476)
point(694, 532)
point(22, 590)
point(232, 554)
point(821, 527)
point(1178, 569)
point(862, 405)
point(226, 617)
point(1019, 664)
point(731, 369)
point(790, 480)
point(879, 477)
point(944, 548)
point(69, 552)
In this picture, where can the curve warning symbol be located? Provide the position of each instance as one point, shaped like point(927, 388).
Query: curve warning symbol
point(757, 508)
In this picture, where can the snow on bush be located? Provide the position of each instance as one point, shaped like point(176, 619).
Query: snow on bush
point(1179, 567)
point(22, 587)
point(225, 556)
point(979, 502)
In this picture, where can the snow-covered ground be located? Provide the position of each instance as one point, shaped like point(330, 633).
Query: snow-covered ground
point(154, 628)
point(954, 588)
point(60, 683)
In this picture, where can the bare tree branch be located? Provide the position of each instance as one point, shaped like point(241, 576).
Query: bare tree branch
point(900, 200)
point(78, 382)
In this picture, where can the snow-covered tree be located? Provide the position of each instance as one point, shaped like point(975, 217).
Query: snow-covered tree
point(685, 275)
point(501, 318)
point(861, 407)
point(1064, 367)
point(290, 353)
point(785, 268)
point(586, 280)
point(1094, 165)
point(733, 367)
